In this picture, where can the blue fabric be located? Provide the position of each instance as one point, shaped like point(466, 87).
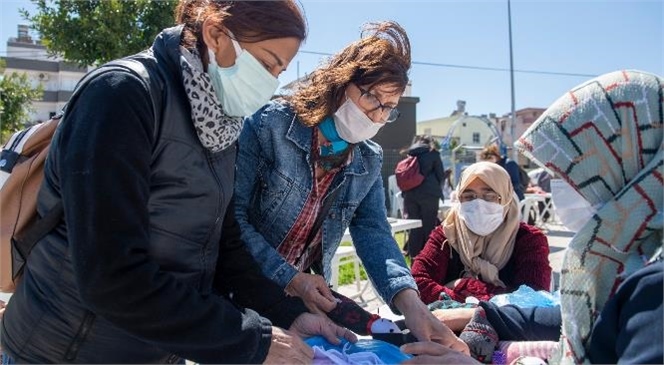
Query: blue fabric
point(337, 145)
point(526, 297)
point(6, 359)
point(273, 181)
point(387, 352)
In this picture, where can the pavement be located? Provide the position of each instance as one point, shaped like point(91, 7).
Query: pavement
point(557, 235)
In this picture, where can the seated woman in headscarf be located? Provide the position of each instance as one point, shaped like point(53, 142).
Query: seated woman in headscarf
point(482, 248)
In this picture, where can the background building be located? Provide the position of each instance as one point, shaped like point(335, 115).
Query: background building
point(58, 78)
point(524, 119)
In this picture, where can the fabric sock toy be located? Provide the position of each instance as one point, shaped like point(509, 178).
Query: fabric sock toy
point(480, 337)
point(349, 314)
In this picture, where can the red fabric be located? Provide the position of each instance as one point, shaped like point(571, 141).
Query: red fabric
point(529, 265)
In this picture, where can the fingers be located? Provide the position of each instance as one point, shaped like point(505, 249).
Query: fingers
point(327, 293)
point(349, 335)
point(305, 349)
point(325, 304)
point(423, 360)
point(317, 303)
point(313, 306)
point(424, 348)
point(345, 333)
point(461, 346)
point(300, 348)
point(331, 332)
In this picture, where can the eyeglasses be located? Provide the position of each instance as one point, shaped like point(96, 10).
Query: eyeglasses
point(370, 102)
point(490, 196)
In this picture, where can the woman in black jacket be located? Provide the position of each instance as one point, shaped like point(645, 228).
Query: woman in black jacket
point(421, 202)
point(146, 263)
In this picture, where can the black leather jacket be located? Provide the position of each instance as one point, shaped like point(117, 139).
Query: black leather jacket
point(141, 267)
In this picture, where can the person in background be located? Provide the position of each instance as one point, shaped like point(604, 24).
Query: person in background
point(421, 202)
point(540, 183)
point(143, 163)
point(314, 148)
point(492, 153)
point(482, 248)
point(448, 183)
point(604, 139)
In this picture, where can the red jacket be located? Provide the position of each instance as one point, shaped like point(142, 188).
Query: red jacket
point(529, 265)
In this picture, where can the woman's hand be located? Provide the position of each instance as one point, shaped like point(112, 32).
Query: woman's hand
point(313, 290)
point(288, 348)
point(308, 324)
point(455, 319)
point(434, 353)
point(423, 324)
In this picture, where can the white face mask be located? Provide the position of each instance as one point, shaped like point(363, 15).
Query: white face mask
point(481, 216)
point(573, 210)
point(353, 125)
point(244, 87)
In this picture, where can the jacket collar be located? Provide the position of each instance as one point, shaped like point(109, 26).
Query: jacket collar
point(166, 47)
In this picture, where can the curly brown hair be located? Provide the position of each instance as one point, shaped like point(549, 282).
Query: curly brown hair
point(381, 56)
point(249, 21)
point(490, 151)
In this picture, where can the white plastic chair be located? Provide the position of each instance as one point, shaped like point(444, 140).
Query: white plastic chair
point(394, 194)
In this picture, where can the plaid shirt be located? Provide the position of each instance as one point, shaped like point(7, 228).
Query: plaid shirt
point(293, 249)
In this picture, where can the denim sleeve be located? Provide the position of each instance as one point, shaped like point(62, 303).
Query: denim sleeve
point(376, 247)
point(249, 159)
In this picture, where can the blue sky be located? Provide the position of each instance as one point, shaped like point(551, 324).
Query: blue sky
point(571, 37)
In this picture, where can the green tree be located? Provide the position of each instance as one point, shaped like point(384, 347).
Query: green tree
point(92, 32)
point(16, 96)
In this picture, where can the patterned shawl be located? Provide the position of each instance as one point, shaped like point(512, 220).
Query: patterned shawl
point(604, 138)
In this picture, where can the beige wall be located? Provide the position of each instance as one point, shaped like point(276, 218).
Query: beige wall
point(465, 128)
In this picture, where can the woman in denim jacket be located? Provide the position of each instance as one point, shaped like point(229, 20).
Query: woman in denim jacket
point(296, 153)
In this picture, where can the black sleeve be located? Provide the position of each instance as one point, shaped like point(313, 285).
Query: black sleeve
point(524, 324)
point(629, 329)
point(438, 169)
point(103, 163)
point(239, 277)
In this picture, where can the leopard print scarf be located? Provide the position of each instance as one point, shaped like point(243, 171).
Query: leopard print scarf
point(215, 129)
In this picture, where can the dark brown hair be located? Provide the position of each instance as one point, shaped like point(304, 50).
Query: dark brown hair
point(249, 21)
point(381, 56)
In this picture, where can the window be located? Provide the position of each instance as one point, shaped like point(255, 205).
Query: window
point(476, 138)
point(427, 131)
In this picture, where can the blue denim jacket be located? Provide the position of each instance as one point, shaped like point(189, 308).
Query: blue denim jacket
point(273, 180)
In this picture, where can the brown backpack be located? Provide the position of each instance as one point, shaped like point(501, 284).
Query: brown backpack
point(22, 171)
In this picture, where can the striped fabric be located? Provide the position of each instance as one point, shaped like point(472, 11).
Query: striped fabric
point(515, 349)
point(604, 138)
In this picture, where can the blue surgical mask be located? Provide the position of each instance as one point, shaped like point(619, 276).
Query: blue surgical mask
point(244, 87)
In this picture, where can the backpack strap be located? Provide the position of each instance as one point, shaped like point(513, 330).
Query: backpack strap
point(23, 243)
